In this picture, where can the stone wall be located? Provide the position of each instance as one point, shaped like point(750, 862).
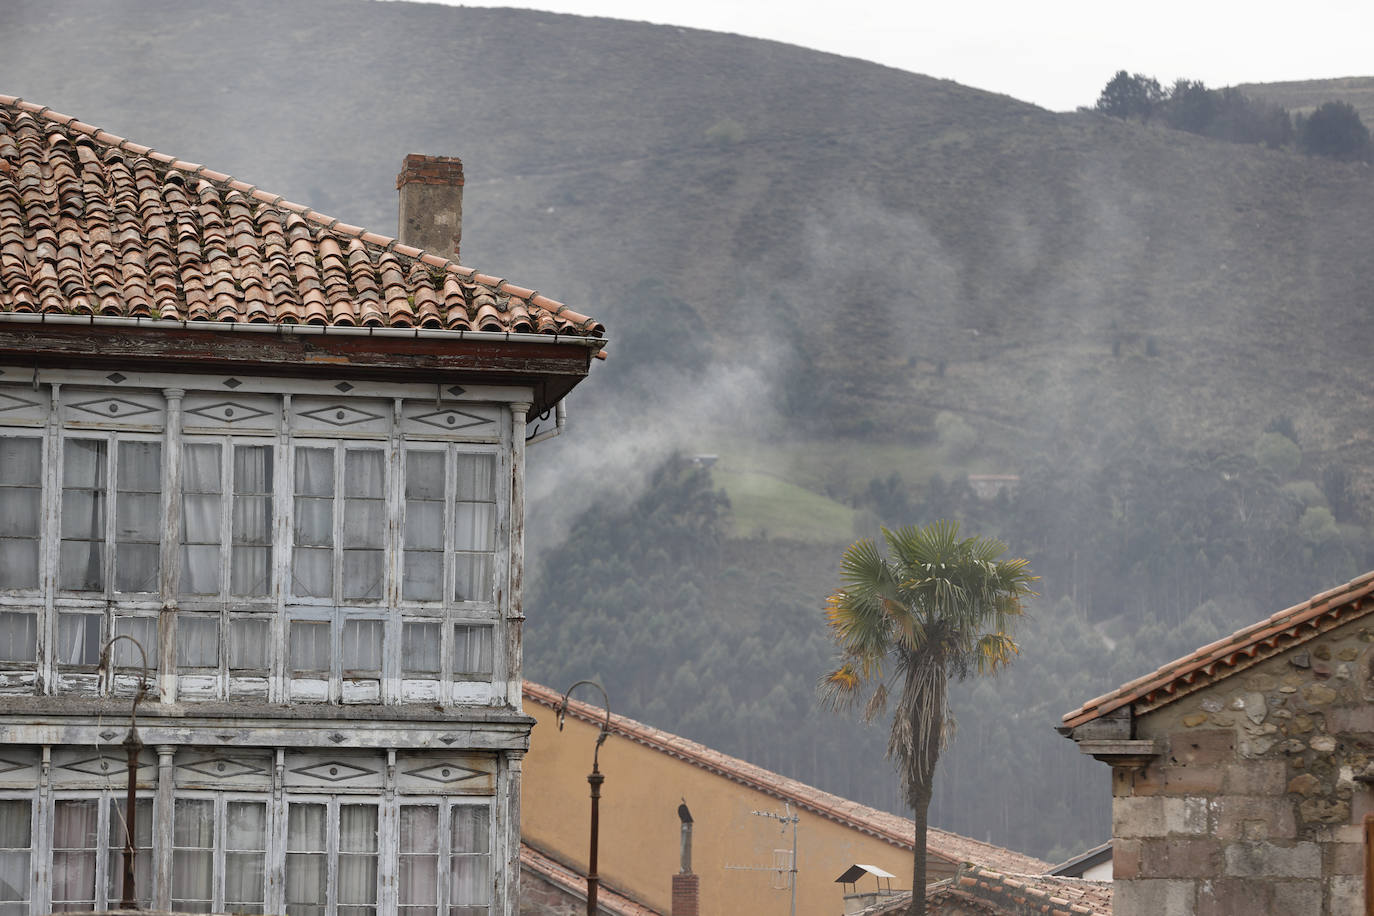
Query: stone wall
point(1254, 806)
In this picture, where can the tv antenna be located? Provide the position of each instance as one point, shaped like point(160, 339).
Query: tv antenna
point(784, 867)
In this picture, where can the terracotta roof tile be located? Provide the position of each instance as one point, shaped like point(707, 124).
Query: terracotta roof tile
point(575, 883)
point(1234, 653)
point(899, 831)
point(986, 890)
point(92, 223)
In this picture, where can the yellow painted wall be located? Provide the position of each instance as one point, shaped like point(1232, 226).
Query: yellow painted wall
point(640, 827)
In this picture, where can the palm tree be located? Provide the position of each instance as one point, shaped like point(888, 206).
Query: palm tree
point(938, 607)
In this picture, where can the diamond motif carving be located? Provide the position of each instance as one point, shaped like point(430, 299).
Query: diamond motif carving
point(115, 377)
point(232, 383)
point(119, 408)
point(444, 773)
point(450, 419)
point(332, 771)
point(341, 415)
point(95, 766)
point(345, 387)
point(223, 768)
point(229, 412)
point(9, 766)
point(11, 402)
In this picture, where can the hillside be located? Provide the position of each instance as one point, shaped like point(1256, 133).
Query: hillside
point(1304, 96)
point(855, 285)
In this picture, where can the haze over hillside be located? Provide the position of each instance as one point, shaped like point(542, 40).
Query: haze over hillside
point(853, 284)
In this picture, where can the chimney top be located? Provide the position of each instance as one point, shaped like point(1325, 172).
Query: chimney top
point(431, 204)
point(446, 170)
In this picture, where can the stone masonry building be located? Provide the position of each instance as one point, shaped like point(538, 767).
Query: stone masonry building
point(1241, 773)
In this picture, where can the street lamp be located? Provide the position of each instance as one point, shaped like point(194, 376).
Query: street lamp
point(595, 779)
point(132, 745)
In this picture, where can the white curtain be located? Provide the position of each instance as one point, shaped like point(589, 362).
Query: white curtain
point(197, 641)
point(364, 522)
point(250, 570)
point(20, 500)
point(309, 646)
point(306, 865)
point(76, 831)
point(138, 517)
point(418, 882)
point(249, 643)
point(470, 868)
point(474, 535)
point(357, 869)
point(144, 630)
point(424, 529)
point(81, 563)
point(18, 636)
point(78, 639)
point(193, 855)
point(312, 561)
point(471, 652)
point(362, 645)
point(420, 653)
point(201, 514)
point(16, 831)
point(245, 844)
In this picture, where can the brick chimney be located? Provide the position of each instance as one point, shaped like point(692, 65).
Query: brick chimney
point(431, 215)
point(685, 890)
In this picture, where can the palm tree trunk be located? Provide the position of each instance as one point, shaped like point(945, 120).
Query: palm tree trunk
point(920, 805)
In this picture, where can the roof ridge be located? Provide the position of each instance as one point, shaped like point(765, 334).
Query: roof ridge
point(884, 825)
point(1226, 649)
point(332, 224)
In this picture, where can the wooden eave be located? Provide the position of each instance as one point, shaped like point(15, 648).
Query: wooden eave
point(550, 368)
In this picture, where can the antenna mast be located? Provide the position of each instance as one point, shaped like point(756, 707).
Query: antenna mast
point(786, 817)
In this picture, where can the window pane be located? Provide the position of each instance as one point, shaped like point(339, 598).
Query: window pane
point(306, 866)
point(309, 646)
point(424, 475)
point(18, 637)
point(136, 567)
point(21, 461)
point(245, 843)
point(16, 830)
point(78, 639)
point(201, 470)
point(423, 576)
point(315, 472)
point(200, 570)
point(193, 855)
point(357, 869)
point(364, 523)
point(200, 518)
point(140, 467)
point(20, 510)
point(250, 571)
point(474, 526)
point(424, 525)
point(197, 642)
point(420, 649)
point(418, 884)
point(143, 855)
point(84, 463)
point(81, 555)
point(470, 871)
point(312, 570)
point(19, 562)
point(314, 522)
point(138, 517)
point(472, 577)
point(365, 473)
point(76, 831)
point(362, 645)
point(472, 652)
point(249, 641)
point(476, 477)
point(143, 629)
point(363, 573)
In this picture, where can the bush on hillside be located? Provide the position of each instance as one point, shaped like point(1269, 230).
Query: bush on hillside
point(1127, 96)
point(1335, 130)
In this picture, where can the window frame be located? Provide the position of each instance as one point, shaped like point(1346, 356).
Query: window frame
point(107, 854)
point(228, 481)
point(332, 842)
point(219, 850)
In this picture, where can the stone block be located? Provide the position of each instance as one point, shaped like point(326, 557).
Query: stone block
point(1255, 777)
point(1138, 817)
point(1254, 817)
point(1266, 860)
point(1153, 897)
point(1125, 858)
point(1185, 815)
point(1234, 897)
point(1192, 780)
point(1180, 857)
point(1345, 895)
point(1297, 897)
point(1345, 719)
point(1202, 747)
point(1345, 858)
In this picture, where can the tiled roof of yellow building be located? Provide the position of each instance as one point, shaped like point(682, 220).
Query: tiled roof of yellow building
point(608, 900)
point(899, 831)
point(94, 224)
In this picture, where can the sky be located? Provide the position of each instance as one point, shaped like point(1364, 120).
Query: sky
point(1057, 55)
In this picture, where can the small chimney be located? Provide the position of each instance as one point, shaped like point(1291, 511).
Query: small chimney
point(431, 215)
point(686, 885)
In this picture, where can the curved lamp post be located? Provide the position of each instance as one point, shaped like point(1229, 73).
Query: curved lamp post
point(595, 779)
point(132, 744)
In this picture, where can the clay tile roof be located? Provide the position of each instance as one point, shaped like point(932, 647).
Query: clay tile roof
point(899, 831)
point(92, 223)
point(975, 888)
point(1232, 654)
point(575, 883)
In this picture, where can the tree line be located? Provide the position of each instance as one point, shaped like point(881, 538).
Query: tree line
point(1334, 129)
